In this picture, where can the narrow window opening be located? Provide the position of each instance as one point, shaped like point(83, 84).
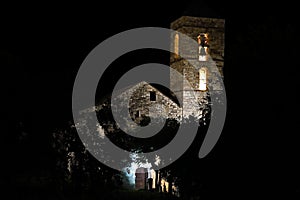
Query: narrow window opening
point(176, 45)
point(202, 79)
point(152, 96)
point(137, 114)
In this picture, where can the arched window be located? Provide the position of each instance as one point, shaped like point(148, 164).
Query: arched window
point(176, 44)
point(203, 46)
point(202, 79)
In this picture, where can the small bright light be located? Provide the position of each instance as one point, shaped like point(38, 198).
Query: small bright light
point(164, 185)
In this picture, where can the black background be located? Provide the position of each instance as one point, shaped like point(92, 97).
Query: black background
point(42, 47)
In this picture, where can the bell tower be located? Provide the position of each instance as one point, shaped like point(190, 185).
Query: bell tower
point(202, 63)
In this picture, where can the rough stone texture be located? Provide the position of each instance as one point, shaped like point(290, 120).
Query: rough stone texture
point(189, 67)
point(193, 26)
point(140, 104)
point(197, 22)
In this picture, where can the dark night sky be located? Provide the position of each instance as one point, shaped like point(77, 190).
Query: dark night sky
point(42, 49)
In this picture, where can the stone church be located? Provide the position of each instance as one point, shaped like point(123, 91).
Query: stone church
point(200, 66)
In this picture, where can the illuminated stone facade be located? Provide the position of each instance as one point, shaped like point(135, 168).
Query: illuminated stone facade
point(200, 67)
point(144, 99)
point(207, 59)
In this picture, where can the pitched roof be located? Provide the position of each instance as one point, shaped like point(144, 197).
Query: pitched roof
point(163, 90)
point(167, 92)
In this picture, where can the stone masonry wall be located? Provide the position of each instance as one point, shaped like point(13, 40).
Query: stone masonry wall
point(140, 103)
point(192, 27)
point(189, 68)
